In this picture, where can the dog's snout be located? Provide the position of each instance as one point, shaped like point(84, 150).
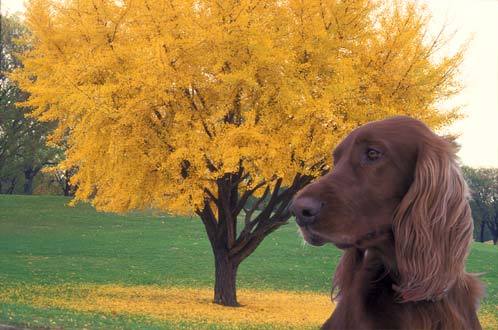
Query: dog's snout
point(306, 210)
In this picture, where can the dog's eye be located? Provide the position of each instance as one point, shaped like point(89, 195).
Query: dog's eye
point(372, 154)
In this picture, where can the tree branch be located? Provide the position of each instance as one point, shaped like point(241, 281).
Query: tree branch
point(243, 200)
point(265, 222)
point(255, 206)
point(210, 194)
point(209, 220)
point(239, 254)
point(227, 197)
point(190, 93)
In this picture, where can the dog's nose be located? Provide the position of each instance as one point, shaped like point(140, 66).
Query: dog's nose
point(306, 210)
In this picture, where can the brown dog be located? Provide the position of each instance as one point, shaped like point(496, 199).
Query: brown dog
point(397, 204)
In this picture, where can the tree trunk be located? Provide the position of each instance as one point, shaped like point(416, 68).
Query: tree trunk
point(225, 279)
point(29, 176)
point(481, 232)
point(67, 188)
point(10, 190)
point(493, 229)
point(230, 249)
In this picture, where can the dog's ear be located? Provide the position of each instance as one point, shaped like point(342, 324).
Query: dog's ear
point(432, 225)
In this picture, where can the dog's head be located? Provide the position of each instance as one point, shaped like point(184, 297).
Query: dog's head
point(394, 178)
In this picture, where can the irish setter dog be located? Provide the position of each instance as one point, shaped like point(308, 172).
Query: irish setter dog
point(397, 204)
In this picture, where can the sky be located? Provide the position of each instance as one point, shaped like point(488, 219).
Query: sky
point(478, 19)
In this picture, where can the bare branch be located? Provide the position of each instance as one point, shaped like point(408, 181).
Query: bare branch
point(255, 206)
point(190, 93)
point(243, 200)
point(209, 220)
point(211, 195)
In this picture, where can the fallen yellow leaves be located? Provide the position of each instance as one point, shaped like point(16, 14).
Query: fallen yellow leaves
point(488, 320)
point(183, 304)
point(280, 309)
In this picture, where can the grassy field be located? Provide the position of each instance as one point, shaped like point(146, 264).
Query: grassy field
point(74, 268)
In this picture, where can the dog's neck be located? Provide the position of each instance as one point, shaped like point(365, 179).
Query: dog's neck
point(378, 271)
point(377, 254)
point(378, 265)
point(365, 281)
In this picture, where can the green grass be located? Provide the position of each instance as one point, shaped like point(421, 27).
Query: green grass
point(45, 242)
point(42, 241)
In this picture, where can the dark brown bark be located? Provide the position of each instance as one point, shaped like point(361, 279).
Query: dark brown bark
point(225, 279)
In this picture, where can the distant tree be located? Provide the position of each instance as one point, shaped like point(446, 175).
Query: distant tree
point(483, 183)
point(23, 149)
point(195, 106)
point(63, 177)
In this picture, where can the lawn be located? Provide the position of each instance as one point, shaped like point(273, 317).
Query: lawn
point(74, 268)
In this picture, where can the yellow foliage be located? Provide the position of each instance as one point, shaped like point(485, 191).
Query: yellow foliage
point(155, 100)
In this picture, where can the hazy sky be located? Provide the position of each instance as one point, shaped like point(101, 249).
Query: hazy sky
point(479, 130)
point(477, 18)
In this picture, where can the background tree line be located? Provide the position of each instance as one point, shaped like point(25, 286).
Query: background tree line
point(23, 149)
point(483, 183)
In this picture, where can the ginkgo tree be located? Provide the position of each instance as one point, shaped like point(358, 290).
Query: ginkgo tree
point(195, 106)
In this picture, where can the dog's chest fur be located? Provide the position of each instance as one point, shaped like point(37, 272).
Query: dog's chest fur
point(370, 302)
